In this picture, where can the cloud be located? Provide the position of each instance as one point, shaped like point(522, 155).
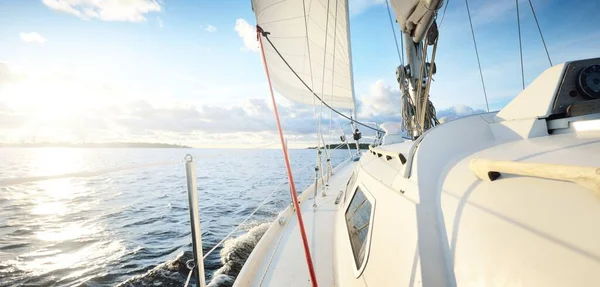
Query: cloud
point(248, 34)
point(160, 21)
point(210, 28)
point(10, 118)
point(381, 100)
point(7, 74)
point(33, 37)
point(107, 10)
point(250, 116)
point(109, 112)
point(383, 103)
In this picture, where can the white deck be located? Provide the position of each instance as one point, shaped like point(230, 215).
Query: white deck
point(283, 262)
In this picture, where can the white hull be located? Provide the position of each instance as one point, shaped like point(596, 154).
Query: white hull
point(434, 223)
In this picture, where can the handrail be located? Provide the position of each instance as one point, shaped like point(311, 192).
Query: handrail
point(490, 170)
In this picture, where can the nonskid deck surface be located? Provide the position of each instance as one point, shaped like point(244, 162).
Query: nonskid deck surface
point(284, 264)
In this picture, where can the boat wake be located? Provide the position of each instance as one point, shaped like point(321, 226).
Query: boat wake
point(234, 253)
point(171, 273)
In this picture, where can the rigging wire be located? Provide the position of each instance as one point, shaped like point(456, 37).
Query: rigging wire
point(520, 46)
point(477, 54)
point(444, 14)
point(400, 57)
point(540, 30)
point(333, 67)
point(320, 132)
point(311, 70)
point(266, 35)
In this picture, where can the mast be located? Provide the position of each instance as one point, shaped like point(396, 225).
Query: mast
point(417, 23)
point(413, 57)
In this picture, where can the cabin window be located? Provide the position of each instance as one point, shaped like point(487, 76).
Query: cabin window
point(359, 217)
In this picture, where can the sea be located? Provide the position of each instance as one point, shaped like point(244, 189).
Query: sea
point(120, 217)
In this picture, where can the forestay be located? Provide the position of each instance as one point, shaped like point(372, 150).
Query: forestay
point(309, 34)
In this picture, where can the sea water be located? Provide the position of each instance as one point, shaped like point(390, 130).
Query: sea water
point(106, 217)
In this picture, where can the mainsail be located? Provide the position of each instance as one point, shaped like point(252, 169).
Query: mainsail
point(313, 36)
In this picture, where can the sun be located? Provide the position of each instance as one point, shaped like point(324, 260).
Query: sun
point(50, 102)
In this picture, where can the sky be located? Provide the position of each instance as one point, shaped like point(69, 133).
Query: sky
point(189, 72)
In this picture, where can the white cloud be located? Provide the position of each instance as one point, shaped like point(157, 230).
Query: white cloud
point(33, 37)
point(160, 21)
point(110, 112)
point(248, 34)
point(210, 28)
point(383, 104)
point(380, 100)
point(107, 10)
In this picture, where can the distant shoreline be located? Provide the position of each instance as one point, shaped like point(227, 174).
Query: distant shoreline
point(94, 145)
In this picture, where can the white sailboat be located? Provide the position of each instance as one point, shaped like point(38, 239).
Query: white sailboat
point(512, 198)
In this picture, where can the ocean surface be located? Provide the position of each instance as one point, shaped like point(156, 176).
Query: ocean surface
point(119, 217)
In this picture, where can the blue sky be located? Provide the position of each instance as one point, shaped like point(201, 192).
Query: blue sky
point(178, 71)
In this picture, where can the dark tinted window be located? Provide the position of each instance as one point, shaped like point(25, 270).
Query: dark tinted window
point(358, 218)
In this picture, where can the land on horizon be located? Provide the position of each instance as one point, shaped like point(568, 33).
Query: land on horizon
point(96, 145)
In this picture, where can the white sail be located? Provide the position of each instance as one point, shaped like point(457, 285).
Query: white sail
point(310, 34)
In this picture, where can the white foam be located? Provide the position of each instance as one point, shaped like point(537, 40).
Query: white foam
point(234, 254)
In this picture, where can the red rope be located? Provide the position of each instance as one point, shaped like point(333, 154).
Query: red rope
point(311, 269)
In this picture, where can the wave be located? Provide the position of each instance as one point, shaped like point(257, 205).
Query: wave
point(234, 254)
point(171, 273)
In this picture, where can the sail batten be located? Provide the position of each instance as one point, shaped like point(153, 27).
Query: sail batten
point(317, 47)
